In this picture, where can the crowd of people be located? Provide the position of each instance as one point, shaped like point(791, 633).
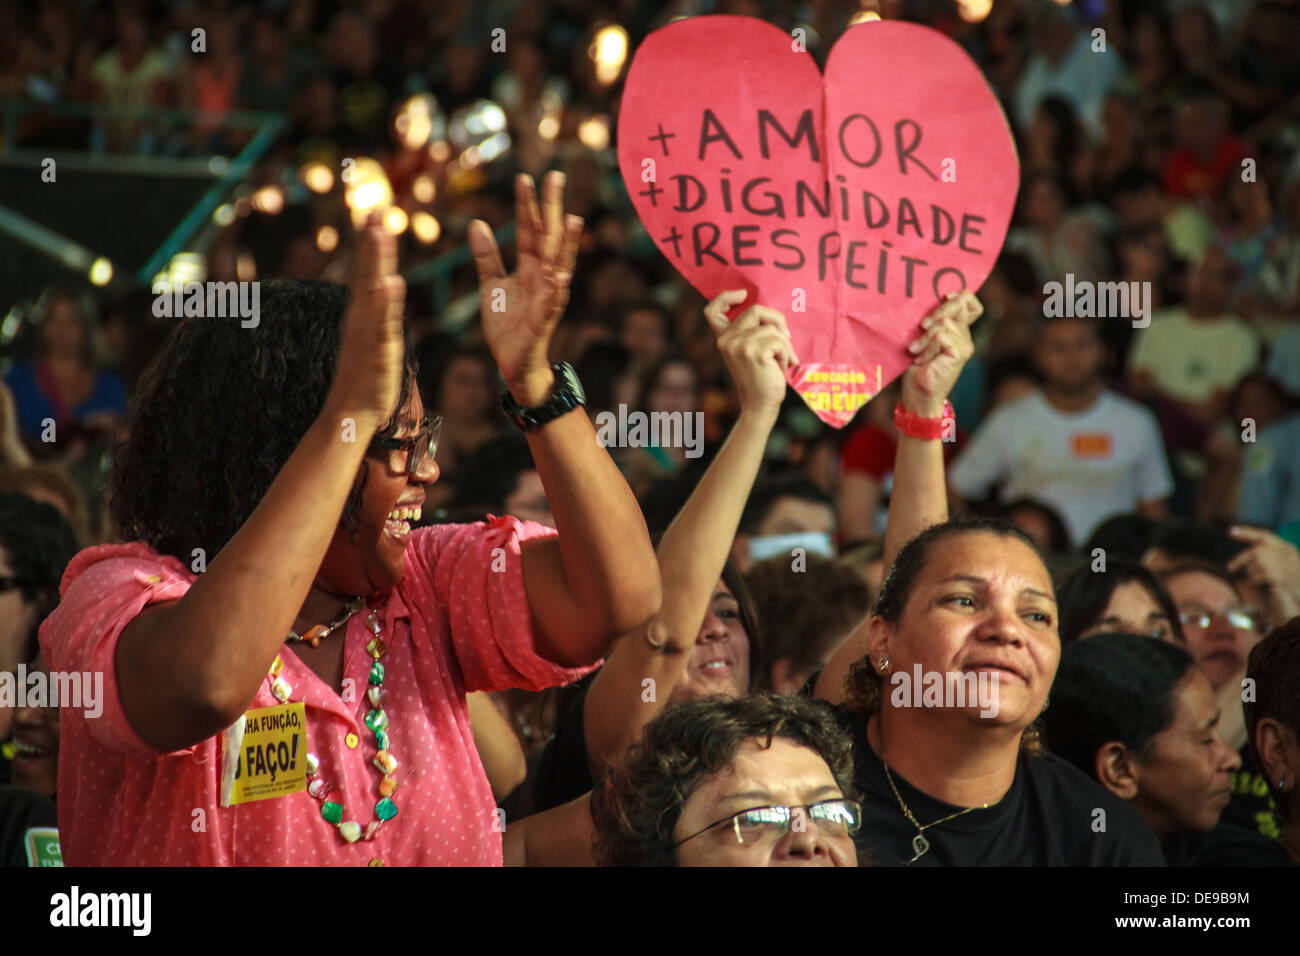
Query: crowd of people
point(1069, 637)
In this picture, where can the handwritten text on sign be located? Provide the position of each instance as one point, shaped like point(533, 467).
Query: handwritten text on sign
point(851, 203)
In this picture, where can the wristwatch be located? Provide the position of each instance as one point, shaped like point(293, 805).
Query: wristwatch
point(567, 396)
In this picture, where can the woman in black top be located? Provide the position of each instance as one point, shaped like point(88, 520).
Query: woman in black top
point(962, 649)
point(1140, 718)
point(957, 778)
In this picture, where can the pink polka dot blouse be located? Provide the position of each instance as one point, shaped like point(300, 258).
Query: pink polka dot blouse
point(452, 626)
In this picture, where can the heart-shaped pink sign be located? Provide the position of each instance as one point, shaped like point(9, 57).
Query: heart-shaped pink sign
point(851, 203)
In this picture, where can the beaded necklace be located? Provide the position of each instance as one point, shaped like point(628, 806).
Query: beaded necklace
point(319, 787)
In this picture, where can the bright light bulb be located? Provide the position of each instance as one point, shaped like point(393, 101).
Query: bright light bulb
point(395, 220)
point(268, 199)
point(317, 177)
point(101, 271)
point(608, 52)
point(423, 189)
point(425, 227)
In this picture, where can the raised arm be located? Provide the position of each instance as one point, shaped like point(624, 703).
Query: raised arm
point(186, 669)
point(599, 577)
point(757, 351)
point(920, 497)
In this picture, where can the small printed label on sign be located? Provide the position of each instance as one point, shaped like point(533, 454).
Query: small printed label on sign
point(272, 757)
point(836, 392)
point(42, 845)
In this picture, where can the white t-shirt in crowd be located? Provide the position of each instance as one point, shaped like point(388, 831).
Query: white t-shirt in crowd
point(1191, 359)
point(1089, 465)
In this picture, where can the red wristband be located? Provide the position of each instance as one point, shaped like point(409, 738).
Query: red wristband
point(927, 429)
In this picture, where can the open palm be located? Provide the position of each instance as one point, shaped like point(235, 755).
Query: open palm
point(520, 310)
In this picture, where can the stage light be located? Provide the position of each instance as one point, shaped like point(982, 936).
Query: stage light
point(245, 267)
point(269, 200)
point(395, 220)
point(327, 238)
point(317, 177)
point(366, 189)
point(492, 147)
point(973, 11)
point(864, 16)
point(419, 121)
point(423, 189)
point(425, 227)
point(548, 128)
point(439, 152)
point(593, 132)
point(608, 51)
point(224, 214)
point(101, 271)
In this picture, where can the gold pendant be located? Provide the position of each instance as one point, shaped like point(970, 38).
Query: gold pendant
point(919, 844)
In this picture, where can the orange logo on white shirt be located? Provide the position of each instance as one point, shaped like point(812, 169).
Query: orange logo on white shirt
point(1091, 445)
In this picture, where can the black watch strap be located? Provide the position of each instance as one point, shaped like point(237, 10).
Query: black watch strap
point(567, 396)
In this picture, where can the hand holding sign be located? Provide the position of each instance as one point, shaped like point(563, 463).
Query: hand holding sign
point(942, 351)
point(757, 350)
point(861, 199)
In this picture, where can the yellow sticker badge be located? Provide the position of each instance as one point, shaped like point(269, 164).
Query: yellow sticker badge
point(270, 757)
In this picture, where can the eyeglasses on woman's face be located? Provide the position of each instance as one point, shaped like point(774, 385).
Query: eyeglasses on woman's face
point(1198, 615)
point(414, 453)
point(835, 817)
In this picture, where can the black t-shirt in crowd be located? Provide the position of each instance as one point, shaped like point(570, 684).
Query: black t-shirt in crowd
point(1049, 817)
point(1225, 845)
point(563, 772)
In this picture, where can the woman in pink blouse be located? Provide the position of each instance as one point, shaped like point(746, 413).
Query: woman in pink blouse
point(284, 661)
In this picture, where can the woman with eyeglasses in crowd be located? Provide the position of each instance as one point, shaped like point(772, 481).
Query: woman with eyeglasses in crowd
point(751, 780)
point(955, 781)
point(1118, 596)
point(1139, 717)
point(289, 458)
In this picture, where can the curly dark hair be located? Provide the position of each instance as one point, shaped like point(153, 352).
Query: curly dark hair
point(863, 686)
point(637, 808)
point(218, 413)
point(39, 542)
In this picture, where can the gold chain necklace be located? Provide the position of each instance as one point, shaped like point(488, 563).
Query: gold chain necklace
point(919, 843)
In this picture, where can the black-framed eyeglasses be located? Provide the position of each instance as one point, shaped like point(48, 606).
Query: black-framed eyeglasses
point(414, 452)
point(835, 817)
point(1242, 618)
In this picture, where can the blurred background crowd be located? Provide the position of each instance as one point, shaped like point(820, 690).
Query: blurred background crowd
point(1166, 154)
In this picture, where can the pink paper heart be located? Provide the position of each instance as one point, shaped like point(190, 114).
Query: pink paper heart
point(850, 203)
